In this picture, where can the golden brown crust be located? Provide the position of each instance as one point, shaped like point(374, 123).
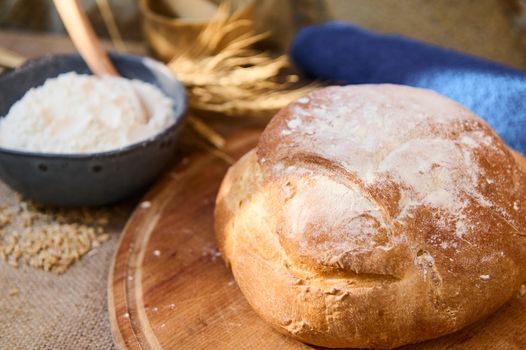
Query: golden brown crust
point(374, 216)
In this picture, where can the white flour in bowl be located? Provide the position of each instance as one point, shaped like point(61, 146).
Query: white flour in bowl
point(75, 113)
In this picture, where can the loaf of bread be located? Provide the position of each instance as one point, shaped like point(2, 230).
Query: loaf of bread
point(374, 216)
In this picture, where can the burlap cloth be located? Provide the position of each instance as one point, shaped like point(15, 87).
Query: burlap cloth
point(70, 311)
point(58, 312)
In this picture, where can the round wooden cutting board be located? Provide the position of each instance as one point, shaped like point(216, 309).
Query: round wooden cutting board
point(169, 288)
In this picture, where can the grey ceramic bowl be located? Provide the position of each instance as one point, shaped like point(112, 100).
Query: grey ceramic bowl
point(73, 180)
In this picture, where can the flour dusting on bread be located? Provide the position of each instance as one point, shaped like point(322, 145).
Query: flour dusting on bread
point(392, 133)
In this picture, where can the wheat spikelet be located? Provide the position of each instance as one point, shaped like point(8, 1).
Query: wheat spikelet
point(111, 25)
point(225, 74)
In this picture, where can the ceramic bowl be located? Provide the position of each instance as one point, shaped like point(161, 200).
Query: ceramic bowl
point(73, 180)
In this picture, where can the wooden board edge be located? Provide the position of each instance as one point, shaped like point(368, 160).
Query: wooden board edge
point(118, 339)
point(126, 247)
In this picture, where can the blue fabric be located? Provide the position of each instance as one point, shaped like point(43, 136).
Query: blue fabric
point(348, 54)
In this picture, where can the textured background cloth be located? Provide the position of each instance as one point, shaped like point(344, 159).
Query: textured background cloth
point(58, 312)
point(343, 52)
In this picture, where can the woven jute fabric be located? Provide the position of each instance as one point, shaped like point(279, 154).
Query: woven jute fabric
point(50, 311)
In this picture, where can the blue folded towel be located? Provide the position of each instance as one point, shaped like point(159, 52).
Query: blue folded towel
point(345, 53)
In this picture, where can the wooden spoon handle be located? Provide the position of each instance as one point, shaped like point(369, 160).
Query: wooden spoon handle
point(84, 38)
